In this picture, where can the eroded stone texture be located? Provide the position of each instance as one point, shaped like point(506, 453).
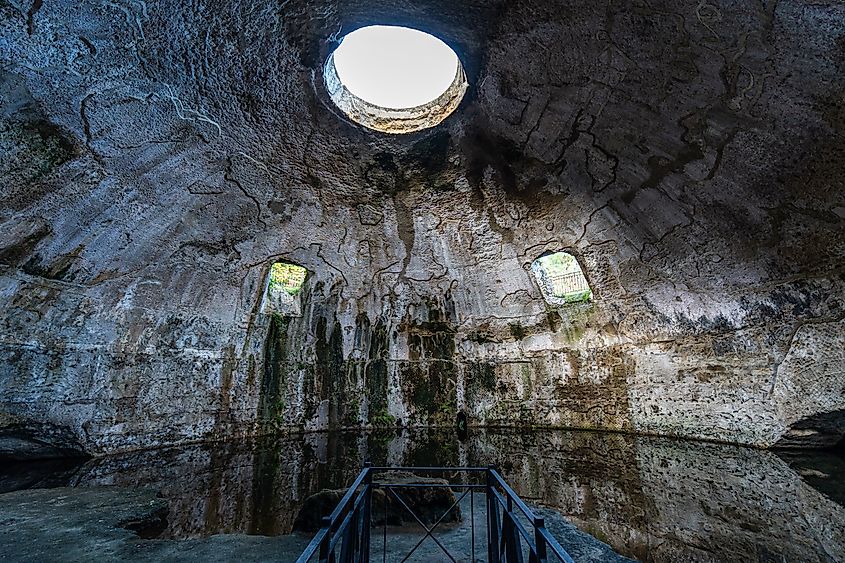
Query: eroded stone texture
point(159, 156)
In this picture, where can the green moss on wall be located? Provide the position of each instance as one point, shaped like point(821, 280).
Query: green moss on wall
point(517, 331)
point(271, 402)
point(430, 390)
point(375, 375)
point(480, 380)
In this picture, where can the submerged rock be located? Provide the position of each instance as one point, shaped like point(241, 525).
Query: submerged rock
point(428, 503)
point(315, 508)
point(581, 546)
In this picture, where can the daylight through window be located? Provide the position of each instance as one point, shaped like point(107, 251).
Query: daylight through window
point(561, 279)
point(286, 277)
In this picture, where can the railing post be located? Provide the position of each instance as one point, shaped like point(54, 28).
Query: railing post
point(325, 556)
point(540, 540)
point(513, 547)
point(350, 525)
point(492, 519)
point(366, 524)
point(347, 544)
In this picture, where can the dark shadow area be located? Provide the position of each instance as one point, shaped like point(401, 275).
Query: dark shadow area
point(38, 474)
point(823, 430)
point(26, 439)
point(824, 470)
point(150, 527)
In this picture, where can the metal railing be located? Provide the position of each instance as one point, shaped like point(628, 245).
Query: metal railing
point(566, 284)
point(512, 527)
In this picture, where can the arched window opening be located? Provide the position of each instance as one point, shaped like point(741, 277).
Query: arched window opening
point(283, 288)
point(561, 279)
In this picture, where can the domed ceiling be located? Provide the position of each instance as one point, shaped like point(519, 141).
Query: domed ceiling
point(159, 157)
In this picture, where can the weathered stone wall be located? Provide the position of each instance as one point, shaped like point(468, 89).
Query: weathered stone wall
point(159, 156)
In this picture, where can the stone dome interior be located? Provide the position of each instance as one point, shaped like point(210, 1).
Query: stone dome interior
point(158, 157)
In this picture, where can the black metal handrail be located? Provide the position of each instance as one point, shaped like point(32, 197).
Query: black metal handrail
point(351, 521)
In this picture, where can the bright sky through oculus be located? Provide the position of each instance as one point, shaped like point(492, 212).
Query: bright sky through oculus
point(395, 67)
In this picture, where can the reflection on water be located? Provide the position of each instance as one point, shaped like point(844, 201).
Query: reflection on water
point(822, 470)
point(654, 499)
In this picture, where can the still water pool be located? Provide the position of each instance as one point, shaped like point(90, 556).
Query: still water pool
point(653, 499)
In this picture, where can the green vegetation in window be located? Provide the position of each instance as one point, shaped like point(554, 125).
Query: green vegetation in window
point(565, 277)
point(287, 277)
point(559, 264)
point(579, 297)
